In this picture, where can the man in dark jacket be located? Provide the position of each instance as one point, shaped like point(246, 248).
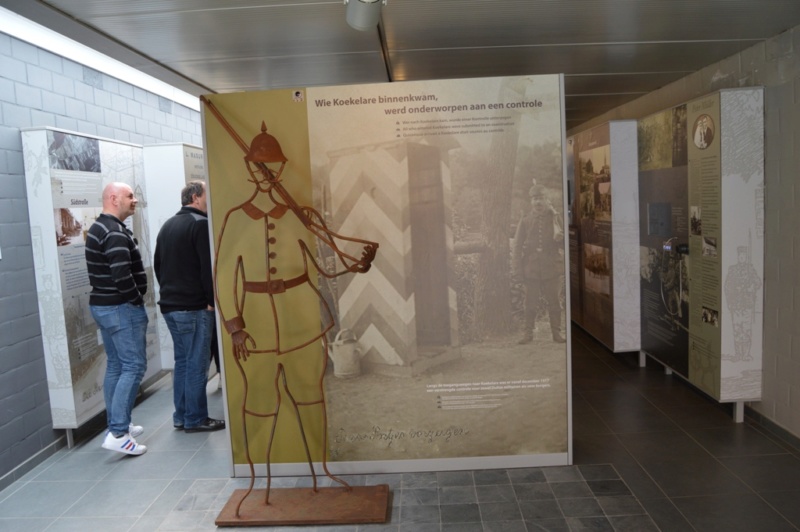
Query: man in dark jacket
point(119, 283)
point(183, 268)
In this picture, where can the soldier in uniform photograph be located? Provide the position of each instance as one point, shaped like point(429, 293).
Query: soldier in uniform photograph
point(538, 261)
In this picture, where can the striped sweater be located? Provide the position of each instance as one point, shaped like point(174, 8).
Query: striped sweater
point(114, 263)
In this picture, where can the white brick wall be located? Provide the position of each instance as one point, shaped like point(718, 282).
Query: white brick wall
point(39, 88)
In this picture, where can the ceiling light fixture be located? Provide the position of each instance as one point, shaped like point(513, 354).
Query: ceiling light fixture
point(363, 15)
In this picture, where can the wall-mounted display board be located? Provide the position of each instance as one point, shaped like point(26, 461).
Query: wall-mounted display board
point(167, 169)
point(701, 187)
point(65, 174)
point(439, 174)
point(604, 234)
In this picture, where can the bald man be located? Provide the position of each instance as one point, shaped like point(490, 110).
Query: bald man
point(119, 284)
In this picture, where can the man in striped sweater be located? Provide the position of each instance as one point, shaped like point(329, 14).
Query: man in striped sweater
point(119, 284)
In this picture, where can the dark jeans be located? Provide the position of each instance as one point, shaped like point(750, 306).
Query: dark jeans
point(191, 335)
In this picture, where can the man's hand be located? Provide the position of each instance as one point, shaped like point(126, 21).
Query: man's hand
point(240, 340)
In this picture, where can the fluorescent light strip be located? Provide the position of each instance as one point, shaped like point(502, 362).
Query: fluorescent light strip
point(33, 33)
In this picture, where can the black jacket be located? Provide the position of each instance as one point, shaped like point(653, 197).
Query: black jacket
point(183, 262)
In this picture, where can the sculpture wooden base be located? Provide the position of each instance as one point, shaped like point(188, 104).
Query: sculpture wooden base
point(303, 506)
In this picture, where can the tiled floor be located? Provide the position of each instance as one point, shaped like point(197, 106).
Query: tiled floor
point(649, 452)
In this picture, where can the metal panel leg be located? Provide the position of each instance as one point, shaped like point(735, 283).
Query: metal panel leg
point(738, 411)
point(70, 439)
point(642, 359)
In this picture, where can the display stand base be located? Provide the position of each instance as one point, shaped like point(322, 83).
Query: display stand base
point(304, 506)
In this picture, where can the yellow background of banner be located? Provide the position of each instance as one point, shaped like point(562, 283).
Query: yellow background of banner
point(298, 310)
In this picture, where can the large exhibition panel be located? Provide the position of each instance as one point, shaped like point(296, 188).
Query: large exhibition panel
point(701, 179)
point(426, 369)
point(65, 175)
point(167, 169)
point(604, 234)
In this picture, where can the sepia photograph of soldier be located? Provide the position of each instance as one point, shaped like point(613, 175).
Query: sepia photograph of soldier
point(538, 255)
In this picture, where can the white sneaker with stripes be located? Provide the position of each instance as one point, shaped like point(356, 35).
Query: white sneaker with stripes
point(125, 444)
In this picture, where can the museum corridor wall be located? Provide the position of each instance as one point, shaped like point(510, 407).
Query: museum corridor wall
point(39, 88)
point(774, 65)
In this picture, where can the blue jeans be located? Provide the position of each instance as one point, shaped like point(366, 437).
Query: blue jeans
point(124, 330)
point(191, 338)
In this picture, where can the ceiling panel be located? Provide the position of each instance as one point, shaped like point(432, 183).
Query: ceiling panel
point(424, 24)
point(282, 72)
point(578, 59)
point(197, 35)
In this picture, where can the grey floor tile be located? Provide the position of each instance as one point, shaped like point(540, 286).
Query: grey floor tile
point(201, 495)
point(637, 417)
point(593, 524)
point(504, 526)
point(542, 509)
point(180, 521)
point(640, 483)
point(457, 495)
point(735, 439)
point(622, 505)
point(500, 511)
point(562, 474)
point(455, 478)
point(491, 477)
point(621, 396)
point(567, 490)
point(167, 499)
point(547, 525)
point(527, 475)
point(583, 507)
point(461, 527)
point(680, 466)
point(731, 513)
point(39, 469)
point(420, 527)
point(779, 472)
point(82, 524)
point(215, 463)
point(393, 480)
point(496, 493)
point(532, 492)
point(785, 503)
point(666, 516)
point(25, 524)
point(117, 498)
point(633, 523)
point(598, 472)
point(460, 513)
point(418, 496)
point(82, 466)
point(605, 488)
point(419, 514)
point(600, 448)
point(420, 480)
point(44, 499)
point(152, 465)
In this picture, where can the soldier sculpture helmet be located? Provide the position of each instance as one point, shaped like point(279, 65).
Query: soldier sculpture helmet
point(265, 148)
